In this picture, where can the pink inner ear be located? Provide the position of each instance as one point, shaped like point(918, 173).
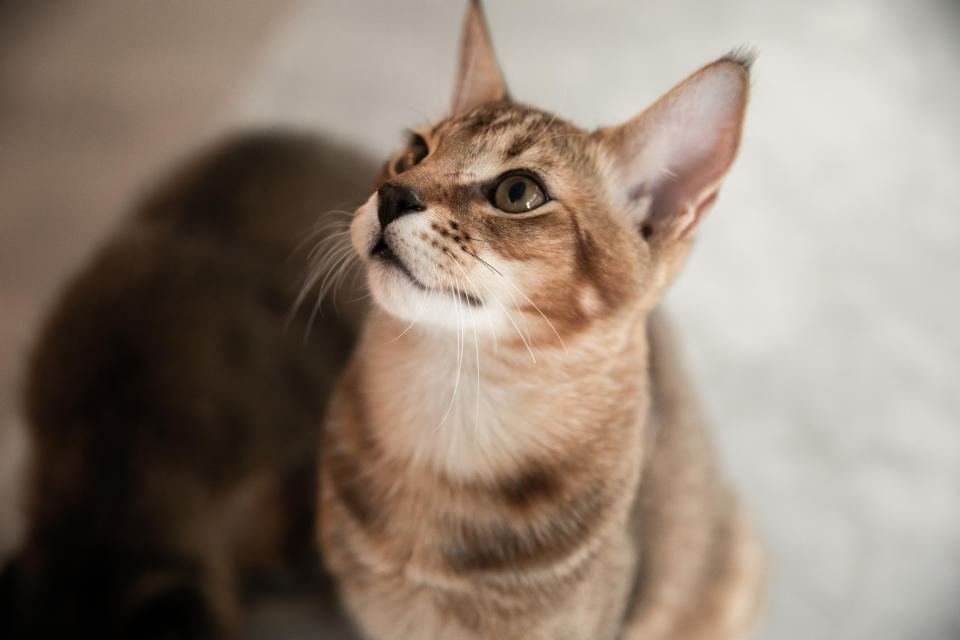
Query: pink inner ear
point(698, 213)
point(671, 159)
point(682, 198)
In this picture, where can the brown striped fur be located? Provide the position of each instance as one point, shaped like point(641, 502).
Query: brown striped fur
point(510, 452)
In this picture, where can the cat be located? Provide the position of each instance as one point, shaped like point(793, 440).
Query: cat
point(174, 419)
point(512, 451)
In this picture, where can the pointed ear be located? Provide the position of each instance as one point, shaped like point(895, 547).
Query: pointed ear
point(666, 165)
point(478, 76)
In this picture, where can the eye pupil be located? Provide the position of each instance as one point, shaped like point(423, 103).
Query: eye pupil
point(517, 194)
point(517, 189)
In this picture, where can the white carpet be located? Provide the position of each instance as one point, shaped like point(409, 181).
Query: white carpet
point(820, 309)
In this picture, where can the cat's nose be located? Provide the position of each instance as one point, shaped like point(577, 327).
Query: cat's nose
point(397, 200)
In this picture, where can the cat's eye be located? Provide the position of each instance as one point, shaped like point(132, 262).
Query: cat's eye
point(518, 193)
point(415, 152)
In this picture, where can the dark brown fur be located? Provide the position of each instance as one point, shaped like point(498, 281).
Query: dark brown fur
point(174, 417)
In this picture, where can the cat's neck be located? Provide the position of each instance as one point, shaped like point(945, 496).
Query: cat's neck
point(473, 407)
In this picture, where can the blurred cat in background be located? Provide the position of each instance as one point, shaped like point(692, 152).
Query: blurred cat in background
point(174, 418)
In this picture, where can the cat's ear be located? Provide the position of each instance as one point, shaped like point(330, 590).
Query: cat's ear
point(478, 76)
point(666, 165)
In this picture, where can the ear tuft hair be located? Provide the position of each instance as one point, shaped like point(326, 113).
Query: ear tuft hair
point(743, 55)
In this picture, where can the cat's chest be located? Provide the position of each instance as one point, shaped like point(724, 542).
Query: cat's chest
point(544, 518)
point(411, 588)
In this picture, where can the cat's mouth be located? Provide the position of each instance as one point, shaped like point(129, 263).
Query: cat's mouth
point(382, 251)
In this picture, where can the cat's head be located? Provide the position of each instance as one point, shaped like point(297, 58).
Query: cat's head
point(502, 210)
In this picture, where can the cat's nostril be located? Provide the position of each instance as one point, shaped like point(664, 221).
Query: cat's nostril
point(397, 200)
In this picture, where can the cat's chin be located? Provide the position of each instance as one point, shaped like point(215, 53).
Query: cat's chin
point(404, 297)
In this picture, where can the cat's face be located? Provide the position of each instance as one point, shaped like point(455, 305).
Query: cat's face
point(502, 217)
point(494, 214)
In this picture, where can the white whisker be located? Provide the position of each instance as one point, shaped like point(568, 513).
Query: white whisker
point(321, 226)
point(496, 299)
point(337, 262)
point(456, 384)
point(341, 257)
point(527, 298)
point(340, 275)
point(416, 318)
point(321, 258)
point(476, 343)
point(510, 318)
point(476, 346)
point(516, 306)
point(477, 293)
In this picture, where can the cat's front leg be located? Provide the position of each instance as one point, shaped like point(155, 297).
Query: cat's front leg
point(726, 605)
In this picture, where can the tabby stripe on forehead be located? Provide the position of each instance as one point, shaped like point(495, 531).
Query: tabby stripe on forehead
point(519, 145)
point(480, 123)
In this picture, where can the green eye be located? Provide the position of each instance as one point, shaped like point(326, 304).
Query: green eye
point(518, 194)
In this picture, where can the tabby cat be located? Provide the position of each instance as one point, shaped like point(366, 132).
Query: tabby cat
point(511, 452)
